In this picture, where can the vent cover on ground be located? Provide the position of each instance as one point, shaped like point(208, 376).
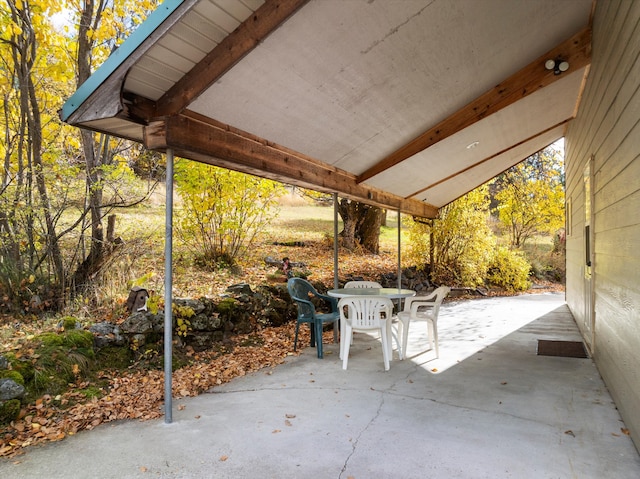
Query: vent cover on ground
point(568, 349)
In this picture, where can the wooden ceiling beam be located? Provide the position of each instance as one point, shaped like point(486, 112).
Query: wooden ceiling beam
point(225, 55)
point(489, 158)
point(198, 138)
point(576, 50)
point(137, 109)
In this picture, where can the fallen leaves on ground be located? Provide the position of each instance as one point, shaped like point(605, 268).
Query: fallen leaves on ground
point(140, 394)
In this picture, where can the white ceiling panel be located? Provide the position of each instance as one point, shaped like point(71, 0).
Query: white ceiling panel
point(348, 84)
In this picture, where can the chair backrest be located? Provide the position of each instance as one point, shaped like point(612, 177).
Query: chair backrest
point(362, 284)
point(365, 312)
point(440, 293)
point(300, 289)
point(427, 305)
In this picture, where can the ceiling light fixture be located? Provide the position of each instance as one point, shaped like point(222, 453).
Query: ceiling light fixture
point(558, 65)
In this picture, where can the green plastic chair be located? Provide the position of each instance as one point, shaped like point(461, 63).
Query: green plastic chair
point(303, 293)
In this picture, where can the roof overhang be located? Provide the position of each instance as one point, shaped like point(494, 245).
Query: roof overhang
point(406, 104)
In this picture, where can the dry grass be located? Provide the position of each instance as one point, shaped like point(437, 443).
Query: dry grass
point(299, 221)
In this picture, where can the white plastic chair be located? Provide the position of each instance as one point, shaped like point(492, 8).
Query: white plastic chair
point(421, 308)
point(362, 284)
point(365, 313)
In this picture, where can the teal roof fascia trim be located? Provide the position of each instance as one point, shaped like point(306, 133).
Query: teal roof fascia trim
point(139, 35)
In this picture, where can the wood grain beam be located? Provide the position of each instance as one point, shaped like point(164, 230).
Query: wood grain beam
point(226, 54)
point(195, 137)
point(489, 158)
point(576, 50)
point(136, 108)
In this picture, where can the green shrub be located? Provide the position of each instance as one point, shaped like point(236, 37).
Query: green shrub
point(458, 243)
point(18, 283)
point(509, 269)
point(537, 268)
point(222, 211)
point(556, 269)
point(547, 266)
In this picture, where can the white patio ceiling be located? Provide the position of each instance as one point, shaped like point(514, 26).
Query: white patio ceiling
point(407, 104)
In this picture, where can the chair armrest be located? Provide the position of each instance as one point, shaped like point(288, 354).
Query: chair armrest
point(422, 304)
point(331, 300)
point(388, 312)
point(412, 304)
point(306, 306)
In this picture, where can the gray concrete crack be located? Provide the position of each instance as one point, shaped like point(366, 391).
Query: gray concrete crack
point(357, 439)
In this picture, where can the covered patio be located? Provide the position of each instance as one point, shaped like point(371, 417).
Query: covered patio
point(405, 105)
point(408, 105)
point(490, 407)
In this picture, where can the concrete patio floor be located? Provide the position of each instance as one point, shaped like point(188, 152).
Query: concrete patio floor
point(490, 407)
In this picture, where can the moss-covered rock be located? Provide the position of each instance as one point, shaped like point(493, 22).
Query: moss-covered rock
point(78, 338)
point(114, 357)
point(51, 339)
point(10, 374)
point(9, 411)
point(22, 366)
point(226, 306)
point(69, 323)
point(61, 359)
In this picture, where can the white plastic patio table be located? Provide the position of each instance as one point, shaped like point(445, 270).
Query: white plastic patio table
point(392, 293)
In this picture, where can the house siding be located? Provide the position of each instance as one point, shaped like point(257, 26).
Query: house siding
point(606, 131)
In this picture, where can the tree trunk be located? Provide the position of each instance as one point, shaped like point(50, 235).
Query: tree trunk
point(94, 260)
point(361, 225)
point(24, 61)
point(432, 250)
point(93, 158)
point(347, 210)
point(369, 231)
point(53, 246)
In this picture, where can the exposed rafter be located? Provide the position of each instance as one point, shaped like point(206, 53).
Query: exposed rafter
point(485, 160)
point(192, 136)
point(576, 50)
